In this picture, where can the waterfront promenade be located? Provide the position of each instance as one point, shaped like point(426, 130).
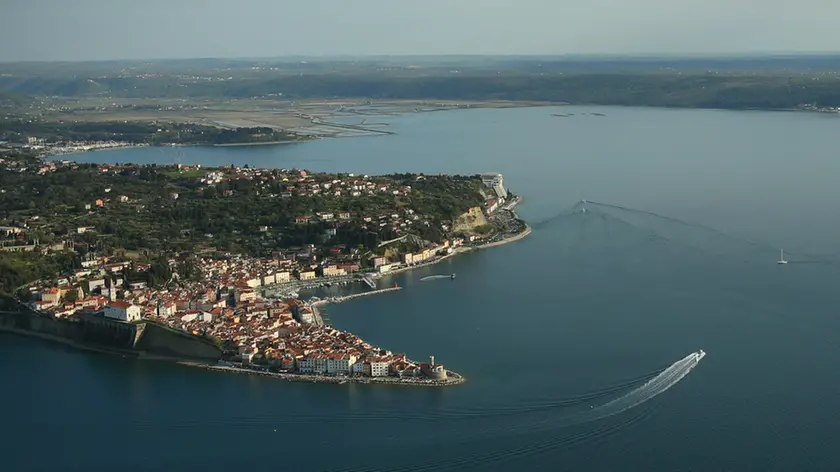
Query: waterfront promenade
point(454, 378)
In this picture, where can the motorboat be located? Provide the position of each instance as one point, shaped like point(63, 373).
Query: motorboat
point(701, 354)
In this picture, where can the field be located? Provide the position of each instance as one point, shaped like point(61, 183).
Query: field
point(321, 118)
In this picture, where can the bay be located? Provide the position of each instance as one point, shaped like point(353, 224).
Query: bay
point(582, 311)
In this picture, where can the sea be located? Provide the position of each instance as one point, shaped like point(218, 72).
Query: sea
point(656, 234)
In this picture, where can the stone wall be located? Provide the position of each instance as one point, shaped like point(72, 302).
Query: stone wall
point(105, 335)
point(157, 340)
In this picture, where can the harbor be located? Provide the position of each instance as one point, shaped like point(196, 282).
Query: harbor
point(318, 317)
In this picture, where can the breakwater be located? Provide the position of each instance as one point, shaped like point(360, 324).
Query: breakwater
point(318, 318)
point(363, 294)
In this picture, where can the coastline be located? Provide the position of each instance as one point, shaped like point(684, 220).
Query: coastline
point(496, 239)
point(262, 143)
point(454, 378)
point(528, 230)
point(457, 379)
point(464, 249)
point(58, 155)
point(460, 250)
point(68, 342)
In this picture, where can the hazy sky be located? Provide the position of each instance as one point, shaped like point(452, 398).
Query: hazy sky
point(136, 29)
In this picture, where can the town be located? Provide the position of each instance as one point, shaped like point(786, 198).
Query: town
point(248, 305)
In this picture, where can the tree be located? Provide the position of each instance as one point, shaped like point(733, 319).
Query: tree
point(71, 296)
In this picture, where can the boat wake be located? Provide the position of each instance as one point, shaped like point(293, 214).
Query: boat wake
point(682, 233)
point(649, 390)
point(544, 441)
point(436, 277)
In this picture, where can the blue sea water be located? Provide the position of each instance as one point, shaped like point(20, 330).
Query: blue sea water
point(678, 255)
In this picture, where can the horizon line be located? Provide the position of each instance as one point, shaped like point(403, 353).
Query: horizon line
point(651, 55)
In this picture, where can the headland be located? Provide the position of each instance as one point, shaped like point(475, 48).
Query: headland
point(157, 267)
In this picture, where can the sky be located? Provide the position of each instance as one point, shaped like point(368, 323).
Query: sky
point(72, 30)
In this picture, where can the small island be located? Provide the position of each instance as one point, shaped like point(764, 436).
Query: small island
point(204, 266)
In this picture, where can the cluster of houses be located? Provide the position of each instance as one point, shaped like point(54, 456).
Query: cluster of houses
point(224, 303)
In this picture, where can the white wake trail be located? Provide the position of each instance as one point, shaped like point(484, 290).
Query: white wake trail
point(434, 277)
point(650, 389)
point(543, 429)
point(654, 387)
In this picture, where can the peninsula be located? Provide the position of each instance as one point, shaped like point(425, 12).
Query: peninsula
point(203, 266)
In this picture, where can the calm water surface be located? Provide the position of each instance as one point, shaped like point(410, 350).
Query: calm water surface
point(547, 330)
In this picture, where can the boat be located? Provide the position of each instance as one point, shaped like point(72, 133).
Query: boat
point(701, 354)
point(452, 276)
point(782, 258)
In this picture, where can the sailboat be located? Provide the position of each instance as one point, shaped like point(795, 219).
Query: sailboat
point(782, 258)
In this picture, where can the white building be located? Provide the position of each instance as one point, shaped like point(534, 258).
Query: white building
point(313, 364)
point(378, 369)
point(320, 364)
point(306, 365)
point(496, 182)
point(358, 368)
point(195, 315)
point(166, 309)
point(123, 311)
point(247, 353)
point(94, 284)
point(340, 363)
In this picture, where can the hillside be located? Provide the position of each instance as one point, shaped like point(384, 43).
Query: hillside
point(143, 212)
point(748, 82)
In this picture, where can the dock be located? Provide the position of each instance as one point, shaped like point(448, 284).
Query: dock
point(363, 294)
point(370, 282)
point(318, 317)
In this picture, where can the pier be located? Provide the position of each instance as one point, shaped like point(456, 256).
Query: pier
point(363, 294)
point(318, 317)
point(370, 282)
